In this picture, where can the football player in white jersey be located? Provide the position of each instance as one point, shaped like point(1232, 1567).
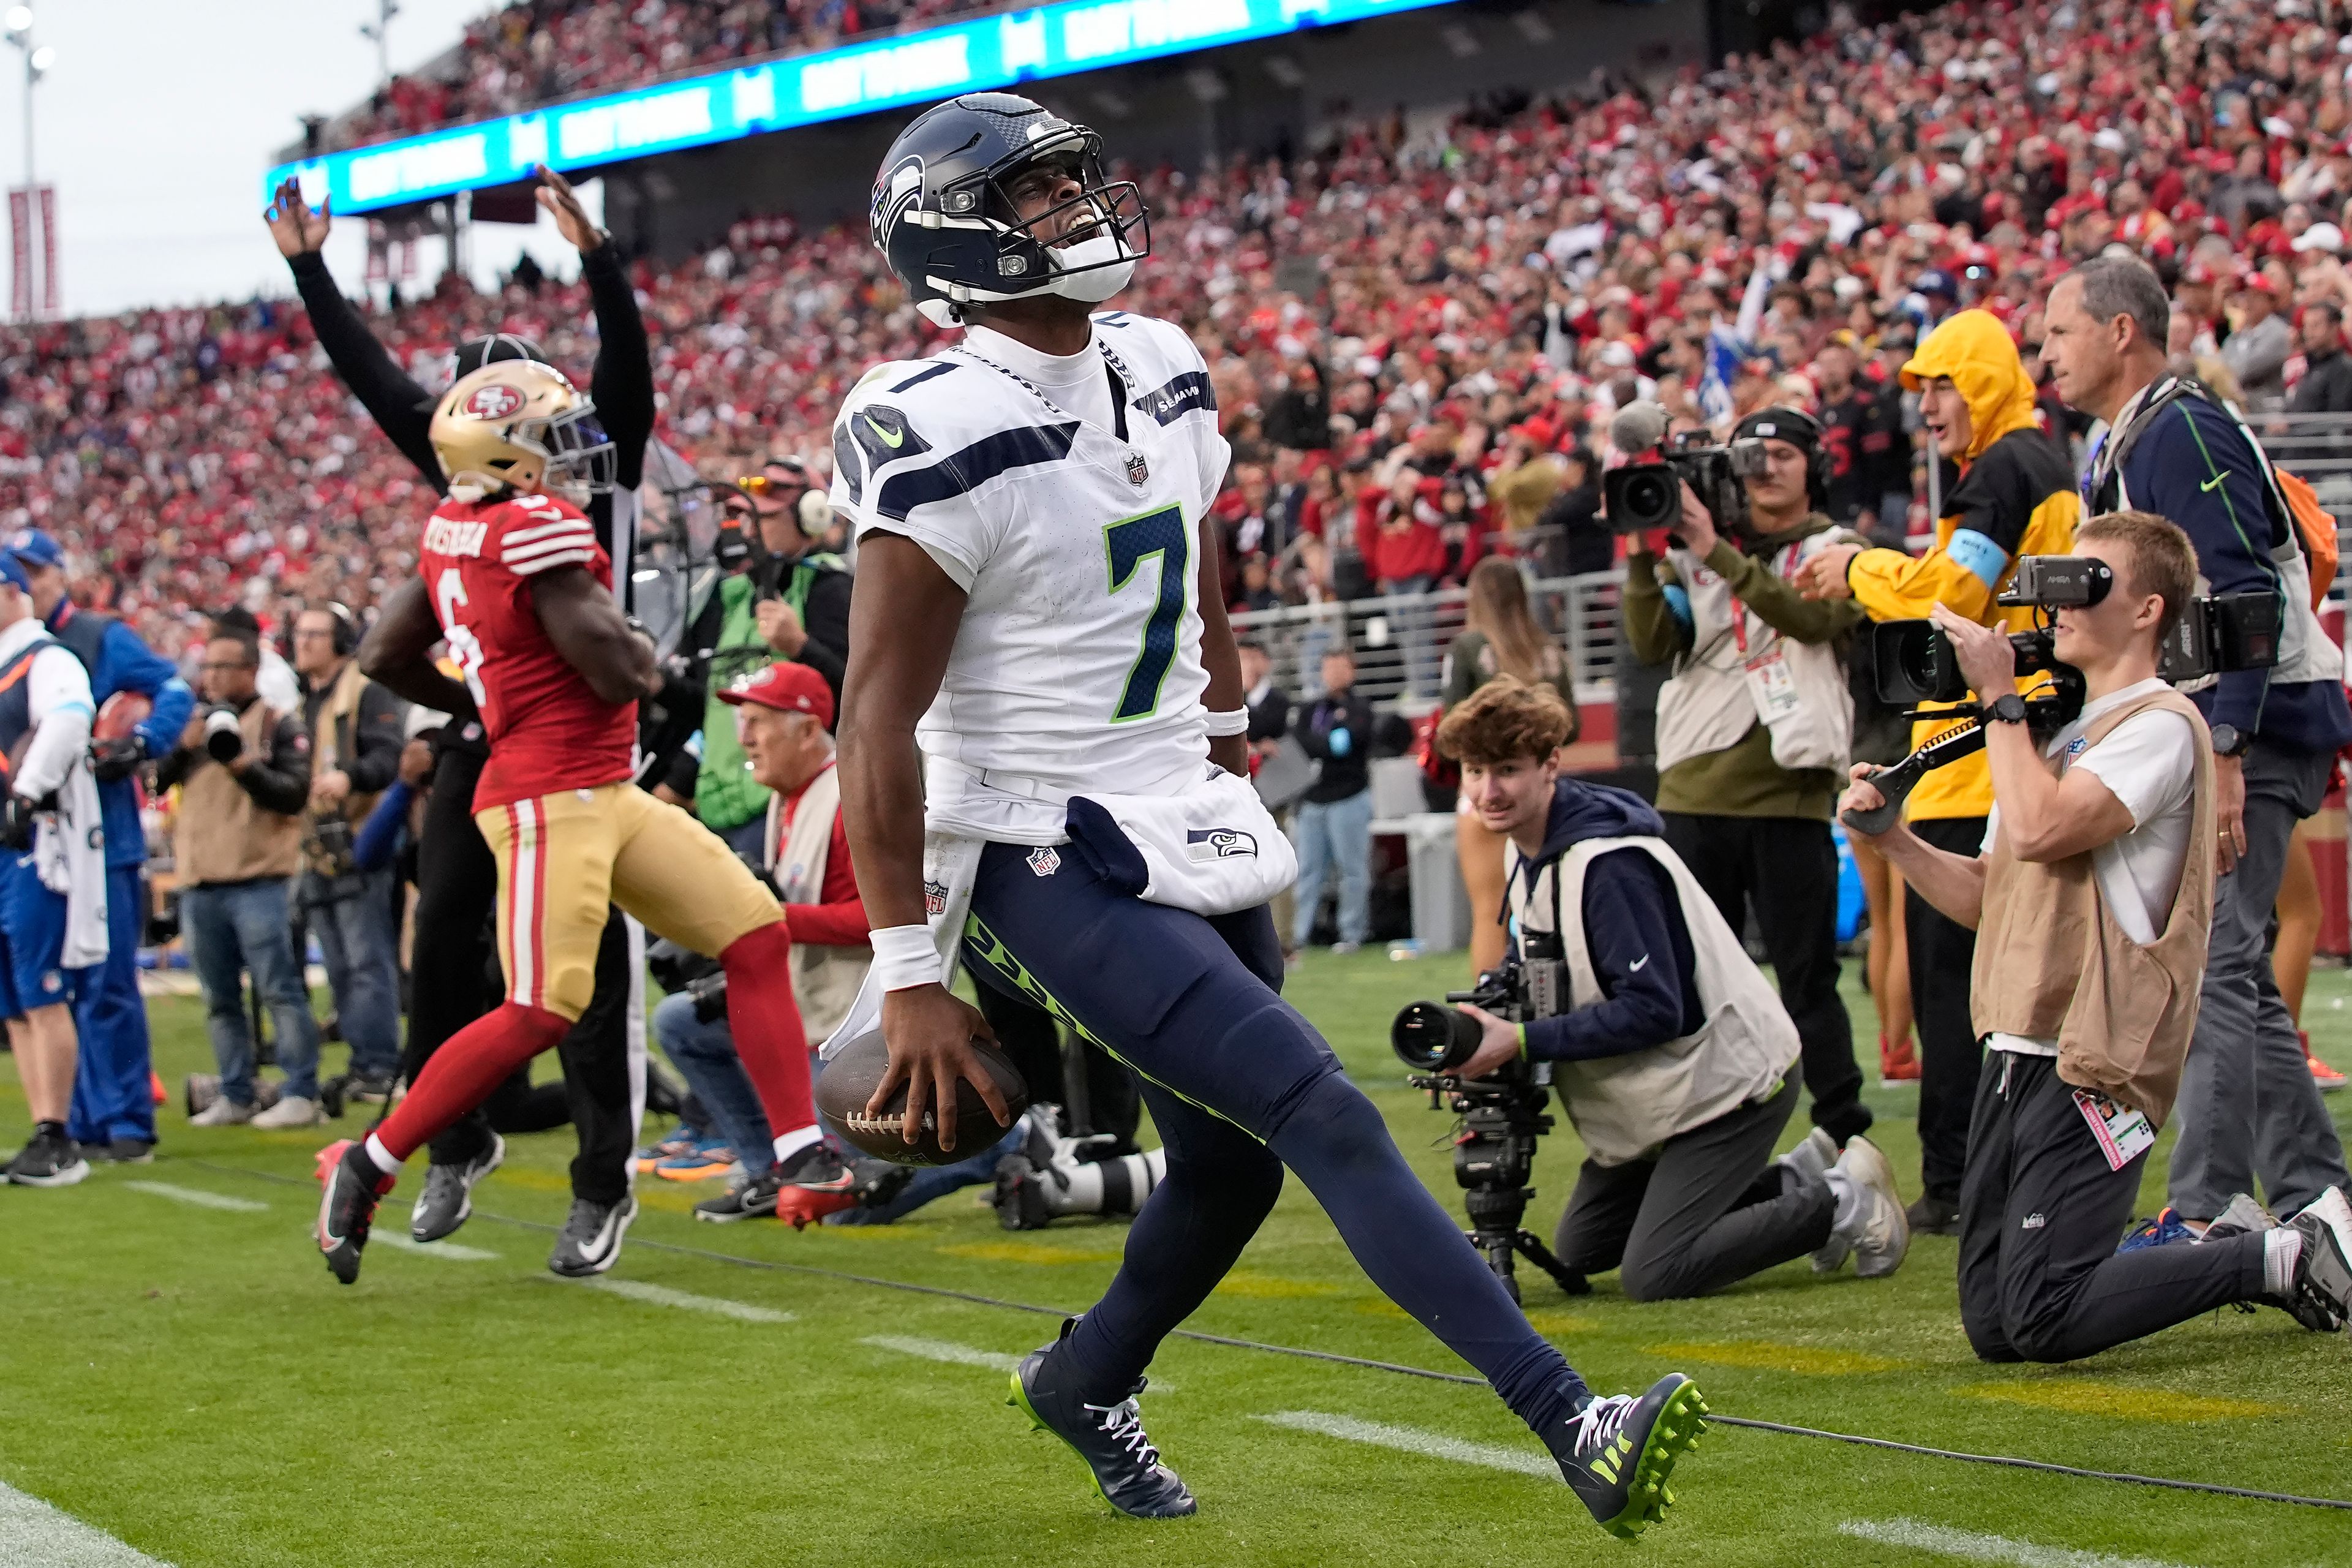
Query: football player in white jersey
point(1037, 619)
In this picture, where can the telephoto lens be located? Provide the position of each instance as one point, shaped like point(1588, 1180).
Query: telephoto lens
point(1434, 1038)
point(223, 739)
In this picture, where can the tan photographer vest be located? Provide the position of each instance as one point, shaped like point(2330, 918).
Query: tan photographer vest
point(1740, 672)
point(2052, 963)
point(825, 979)
point(1624, 1107)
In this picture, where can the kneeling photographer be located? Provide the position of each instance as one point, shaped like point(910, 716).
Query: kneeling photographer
point(2091, 899)
point(1667, 1045)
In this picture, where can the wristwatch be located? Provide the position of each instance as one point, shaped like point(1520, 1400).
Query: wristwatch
point(2009, 708)
point(2228, 741)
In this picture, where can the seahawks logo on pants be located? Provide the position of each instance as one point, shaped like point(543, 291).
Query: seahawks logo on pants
point(1205, 844)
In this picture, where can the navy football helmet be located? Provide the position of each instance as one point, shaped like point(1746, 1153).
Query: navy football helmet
point(944, 218)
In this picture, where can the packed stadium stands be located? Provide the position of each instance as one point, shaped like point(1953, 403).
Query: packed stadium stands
point(1518, 271)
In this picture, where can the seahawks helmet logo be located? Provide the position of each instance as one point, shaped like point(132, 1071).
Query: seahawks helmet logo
point(1202, 845)
point(894, 192)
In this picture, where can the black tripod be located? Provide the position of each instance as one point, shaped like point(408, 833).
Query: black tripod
point(1492, 1156)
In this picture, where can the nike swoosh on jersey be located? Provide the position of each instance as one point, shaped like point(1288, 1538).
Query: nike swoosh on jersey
point(1636, 968)
point(893, 439)
point(2210, 486)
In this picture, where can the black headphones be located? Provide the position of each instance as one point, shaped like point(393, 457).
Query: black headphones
point(346, 628)
point(1798, 428)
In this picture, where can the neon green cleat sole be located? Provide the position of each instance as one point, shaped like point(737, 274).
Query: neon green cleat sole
point(1674, 1434)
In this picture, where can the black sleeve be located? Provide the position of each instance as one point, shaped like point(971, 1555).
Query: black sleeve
point(280, 781)
point(622, 381)
point(400, 407)
point(825, 616)
point(1270, 719)
point(176, 765)
point(375, 737)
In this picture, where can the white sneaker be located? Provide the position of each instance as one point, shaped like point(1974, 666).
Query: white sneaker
point(222, 1112)
point(1878, 1232)
point(292, 1110)
point(1812, 1158)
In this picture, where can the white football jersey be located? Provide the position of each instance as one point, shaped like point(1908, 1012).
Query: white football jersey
point(1077, 668)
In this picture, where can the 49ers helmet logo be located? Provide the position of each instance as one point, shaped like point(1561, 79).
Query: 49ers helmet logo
point(494, 401)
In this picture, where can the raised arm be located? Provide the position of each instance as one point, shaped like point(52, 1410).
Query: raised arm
point(622, 381)
point(902, 626)
point(400, 407)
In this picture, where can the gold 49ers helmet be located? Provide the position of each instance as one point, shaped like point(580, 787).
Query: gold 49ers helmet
point(519, 425)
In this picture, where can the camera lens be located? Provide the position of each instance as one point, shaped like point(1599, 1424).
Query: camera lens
point(1650, 499)
point(1434, 1038)
point(223, 739)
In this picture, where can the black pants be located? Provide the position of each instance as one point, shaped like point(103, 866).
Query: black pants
point(1786, 866)
point(1712, 1208)
point(2039, 1216)
point(1942, 953)
point(454, 956)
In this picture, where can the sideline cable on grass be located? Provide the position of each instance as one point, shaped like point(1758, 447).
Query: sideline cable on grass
point(1714, 1418)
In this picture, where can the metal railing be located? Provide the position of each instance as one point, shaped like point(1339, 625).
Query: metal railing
point(1400, 641)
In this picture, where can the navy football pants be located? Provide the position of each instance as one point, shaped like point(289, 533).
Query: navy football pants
point(1240, 1086)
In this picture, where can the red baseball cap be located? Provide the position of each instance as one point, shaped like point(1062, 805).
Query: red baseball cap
point(787, 689)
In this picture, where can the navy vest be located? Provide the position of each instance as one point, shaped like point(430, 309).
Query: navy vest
point(17, 701)
point(84, 636)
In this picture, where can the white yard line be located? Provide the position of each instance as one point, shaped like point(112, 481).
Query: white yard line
point(198, 1197)
point(1413, 1440)
point(946, 1351)
point(35, 1535)
point(662, 1296)
point(1979, 1548)
point(401, 1241)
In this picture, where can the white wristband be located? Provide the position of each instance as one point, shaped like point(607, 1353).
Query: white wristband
point(905, 956)
point(1233, 721)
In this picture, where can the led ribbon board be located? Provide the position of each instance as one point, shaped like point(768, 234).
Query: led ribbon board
point(976, 56)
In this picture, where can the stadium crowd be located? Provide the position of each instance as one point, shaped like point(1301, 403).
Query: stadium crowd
point(1490, 292)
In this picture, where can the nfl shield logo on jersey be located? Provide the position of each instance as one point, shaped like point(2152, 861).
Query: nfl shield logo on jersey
point(1138, 470)
point(1043, 860)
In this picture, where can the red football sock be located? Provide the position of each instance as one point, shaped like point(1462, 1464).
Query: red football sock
point(766, 1024)
point(461, 1075)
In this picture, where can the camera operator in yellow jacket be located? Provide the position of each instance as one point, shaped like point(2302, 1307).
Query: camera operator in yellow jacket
point(2015, 496)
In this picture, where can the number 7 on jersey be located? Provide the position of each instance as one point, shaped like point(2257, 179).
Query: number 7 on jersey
point(1130, 544)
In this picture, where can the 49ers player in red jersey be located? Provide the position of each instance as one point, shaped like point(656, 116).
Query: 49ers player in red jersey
point(514, 581)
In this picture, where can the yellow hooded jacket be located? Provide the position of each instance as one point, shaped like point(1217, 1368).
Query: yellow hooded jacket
point(2016, 497)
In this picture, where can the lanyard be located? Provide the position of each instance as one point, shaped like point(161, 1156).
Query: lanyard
point(1739, 610)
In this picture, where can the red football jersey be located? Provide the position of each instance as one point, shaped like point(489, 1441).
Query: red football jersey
point(548, 728)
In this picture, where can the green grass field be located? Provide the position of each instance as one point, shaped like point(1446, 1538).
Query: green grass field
point(189, 1380)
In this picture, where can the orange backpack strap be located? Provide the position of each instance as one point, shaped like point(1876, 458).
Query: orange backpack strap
point(2315, 524)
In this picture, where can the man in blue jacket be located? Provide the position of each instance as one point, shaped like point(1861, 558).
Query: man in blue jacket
point(2248, 1106)
point(113, 1105)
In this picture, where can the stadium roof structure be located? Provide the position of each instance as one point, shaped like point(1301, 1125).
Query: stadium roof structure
point(804, 87)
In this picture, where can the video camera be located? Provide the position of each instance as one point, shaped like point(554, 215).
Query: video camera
point(1640, 497)
point(1917, 663)
point(1503, 1113)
